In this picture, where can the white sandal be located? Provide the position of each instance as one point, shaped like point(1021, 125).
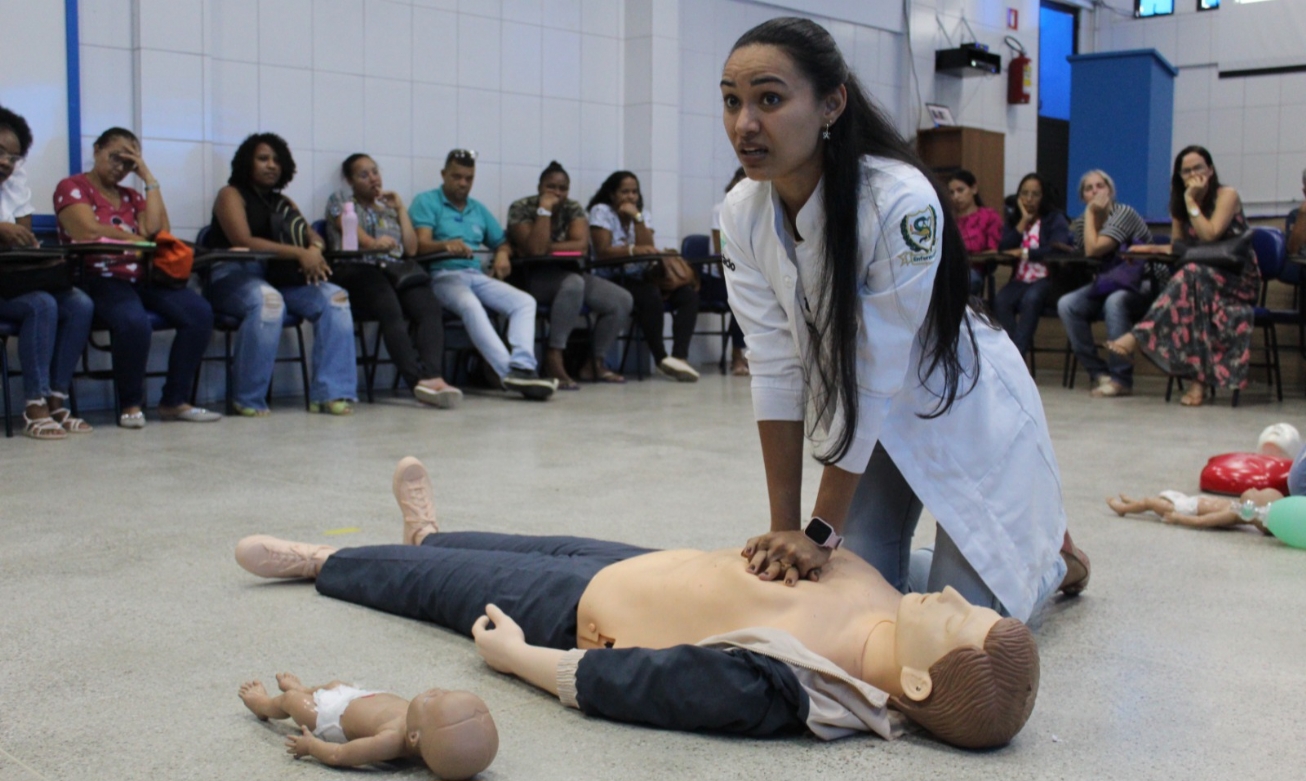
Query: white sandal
point(43, 428)
point(131, 420)
point(64, 417)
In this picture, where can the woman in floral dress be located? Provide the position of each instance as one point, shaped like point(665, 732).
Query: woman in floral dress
point(1200, 327)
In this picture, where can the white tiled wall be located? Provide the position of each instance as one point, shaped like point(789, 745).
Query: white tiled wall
point(1253, 126)
point(881, 60)
point(520, 81)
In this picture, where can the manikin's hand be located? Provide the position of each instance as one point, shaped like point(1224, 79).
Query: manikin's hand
point(498, 646)
point(790, 555)
point(300, 745)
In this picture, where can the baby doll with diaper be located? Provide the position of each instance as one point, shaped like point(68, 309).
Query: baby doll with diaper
point(1252, 507)
point(1258, 479)
point(451, 731)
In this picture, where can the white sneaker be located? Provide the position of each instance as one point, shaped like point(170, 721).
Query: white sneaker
point(269, 557)
point(412, 490)
point(678, 370)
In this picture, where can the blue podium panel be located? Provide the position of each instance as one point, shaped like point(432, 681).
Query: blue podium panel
point(1122, 121)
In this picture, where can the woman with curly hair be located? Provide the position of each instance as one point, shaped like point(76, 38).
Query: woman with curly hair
point(252, 212)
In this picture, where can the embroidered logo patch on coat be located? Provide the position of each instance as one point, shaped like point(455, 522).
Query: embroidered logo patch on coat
point(920, 231)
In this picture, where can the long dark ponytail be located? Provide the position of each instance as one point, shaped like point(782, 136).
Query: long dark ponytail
point(863, 129)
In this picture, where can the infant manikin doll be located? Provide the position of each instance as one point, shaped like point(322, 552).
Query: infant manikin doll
point(451, 731)
point(1203, 511)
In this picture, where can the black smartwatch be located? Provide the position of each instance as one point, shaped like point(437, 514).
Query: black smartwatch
point(822, 533)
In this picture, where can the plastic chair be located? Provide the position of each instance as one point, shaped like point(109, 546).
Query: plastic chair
point(711, 298)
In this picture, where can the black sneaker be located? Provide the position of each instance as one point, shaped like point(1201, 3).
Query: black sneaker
point(529, 384)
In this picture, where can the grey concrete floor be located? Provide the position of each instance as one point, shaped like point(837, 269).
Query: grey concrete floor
point(126, 626)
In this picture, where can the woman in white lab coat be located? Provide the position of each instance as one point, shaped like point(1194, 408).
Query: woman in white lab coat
point(852, 287)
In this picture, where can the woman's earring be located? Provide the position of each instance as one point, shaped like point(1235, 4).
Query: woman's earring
point(825, 134)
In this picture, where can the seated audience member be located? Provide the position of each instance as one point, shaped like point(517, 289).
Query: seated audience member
point(1029, 235)
point(1118, 293)
point(549, 222)
point(386, 232)
point(714, 284)
point(686, 639)
point(620, 228)
point(1294, 228)
point(252, 212)
point(980, 226)
point(92, 206)
point(448, 220)
point(54, 319)
point(1200, 327)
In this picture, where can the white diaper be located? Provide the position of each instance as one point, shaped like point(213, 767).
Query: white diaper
point(1183, 504)
point(331, 704)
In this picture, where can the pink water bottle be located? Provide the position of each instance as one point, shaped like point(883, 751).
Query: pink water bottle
point(349, 228)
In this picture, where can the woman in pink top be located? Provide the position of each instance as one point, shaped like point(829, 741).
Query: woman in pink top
point(94, 205)
point(980, 226)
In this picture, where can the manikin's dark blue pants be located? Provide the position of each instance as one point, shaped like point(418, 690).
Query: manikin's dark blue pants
point(452, 576)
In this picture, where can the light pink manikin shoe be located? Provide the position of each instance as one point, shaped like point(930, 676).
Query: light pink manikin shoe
point(412, 489)
point(269, 557)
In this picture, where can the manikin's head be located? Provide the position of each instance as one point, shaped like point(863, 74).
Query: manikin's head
point(969, 676)
point(453, 732)
point(1281, 440)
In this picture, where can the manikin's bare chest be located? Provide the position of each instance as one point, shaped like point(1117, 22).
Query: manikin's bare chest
point(672, 597)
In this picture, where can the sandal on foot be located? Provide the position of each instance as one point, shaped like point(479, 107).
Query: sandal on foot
point(1078, 570)
point(1110, 389)
point(43, 428)
point(447, 397)
point(1117, 350)
point(190, 415)
point(64, 417)
point(131, 420)
point(250, 412)
point(333, 407)
point(1190, 399)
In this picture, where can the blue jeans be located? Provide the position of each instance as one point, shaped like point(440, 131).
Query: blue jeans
point(122, 306)
point(452, 576)
point(1018, 307)
point(468, 293)
point(238, 290)
point(879, 528)
point(53, 330)
point(1120, 310)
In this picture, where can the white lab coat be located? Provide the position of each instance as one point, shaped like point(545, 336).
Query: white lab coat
point(986, 469)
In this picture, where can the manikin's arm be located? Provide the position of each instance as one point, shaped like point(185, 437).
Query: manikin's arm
point(382, 747)
point(504, 648)
point(686, 687)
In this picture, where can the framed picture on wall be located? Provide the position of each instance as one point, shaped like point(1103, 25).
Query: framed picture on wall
point(941, 114)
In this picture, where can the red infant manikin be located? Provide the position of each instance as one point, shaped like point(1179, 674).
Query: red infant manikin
point(1233, 473)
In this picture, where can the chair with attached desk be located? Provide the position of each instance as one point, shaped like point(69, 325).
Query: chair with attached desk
point(696, 249)
point(227, 324)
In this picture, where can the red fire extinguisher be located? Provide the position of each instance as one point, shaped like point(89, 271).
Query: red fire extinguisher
point(1020, 78)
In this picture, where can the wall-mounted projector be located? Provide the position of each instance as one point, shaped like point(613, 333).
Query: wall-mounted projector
point(968, 60)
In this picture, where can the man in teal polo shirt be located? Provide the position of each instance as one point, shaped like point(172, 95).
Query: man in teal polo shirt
point(449, 221)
